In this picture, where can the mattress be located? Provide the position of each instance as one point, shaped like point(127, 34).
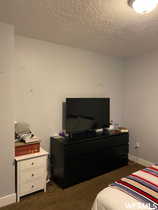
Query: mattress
point(114, 199)
point(136, 191)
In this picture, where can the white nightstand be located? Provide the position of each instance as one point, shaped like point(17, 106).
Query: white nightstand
point(31, 173)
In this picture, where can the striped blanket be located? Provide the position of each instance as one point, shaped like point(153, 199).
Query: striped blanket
point(142, 185)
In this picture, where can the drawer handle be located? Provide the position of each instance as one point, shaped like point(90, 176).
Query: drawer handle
point(32, 174)
point(32, 163)
point(32, 186)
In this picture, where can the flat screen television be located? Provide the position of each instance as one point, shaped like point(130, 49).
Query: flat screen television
point(87, 113)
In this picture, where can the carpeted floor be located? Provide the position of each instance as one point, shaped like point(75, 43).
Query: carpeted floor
point(78, 197)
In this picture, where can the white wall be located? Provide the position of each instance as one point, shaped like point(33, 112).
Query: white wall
point(47, 73)
point(141, 105)
point(7, 180)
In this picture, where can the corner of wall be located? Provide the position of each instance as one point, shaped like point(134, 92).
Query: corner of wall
point(139, 160)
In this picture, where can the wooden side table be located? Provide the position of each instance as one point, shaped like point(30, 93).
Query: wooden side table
point(31, 173)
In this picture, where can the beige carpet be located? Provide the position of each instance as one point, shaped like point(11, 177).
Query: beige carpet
point(78, 197)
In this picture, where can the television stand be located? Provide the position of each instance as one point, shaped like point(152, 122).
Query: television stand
point(75, 161)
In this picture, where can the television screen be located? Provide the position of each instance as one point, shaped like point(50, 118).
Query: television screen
point(87, 113)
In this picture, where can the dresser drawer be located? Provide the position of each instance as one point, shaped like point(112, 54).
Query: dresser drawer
point(32, 174)
point(31, 186)
point(39, 162)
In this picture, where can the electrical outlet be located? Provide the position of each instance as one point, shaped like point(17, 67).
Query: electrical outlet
point(137, 145)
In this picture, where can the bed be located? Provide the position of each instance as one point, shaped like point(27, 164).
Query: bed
point(138, 191)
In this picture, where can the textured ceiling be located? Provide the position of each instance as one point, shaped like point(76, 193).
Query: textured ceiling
point(110, 27)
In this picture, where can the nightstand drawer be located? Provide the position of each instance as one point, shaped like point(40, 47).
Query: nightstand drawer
point(31, 186)
point(39, 162)
point(32, 174)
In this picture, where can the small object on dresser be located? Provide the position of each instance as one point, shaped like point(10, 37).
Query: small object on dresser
point(31, 139)
point(58, 136)
point(22, 148)
point(24, 133)
point(123, 130)
point(115, 131)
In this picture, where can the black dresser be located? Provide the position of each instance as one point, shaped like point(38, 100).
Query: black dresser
point(73, 161)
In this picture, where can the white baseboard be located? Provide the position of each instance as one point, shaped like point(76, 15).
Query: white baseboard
point(7, 200)
point(139, 160)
